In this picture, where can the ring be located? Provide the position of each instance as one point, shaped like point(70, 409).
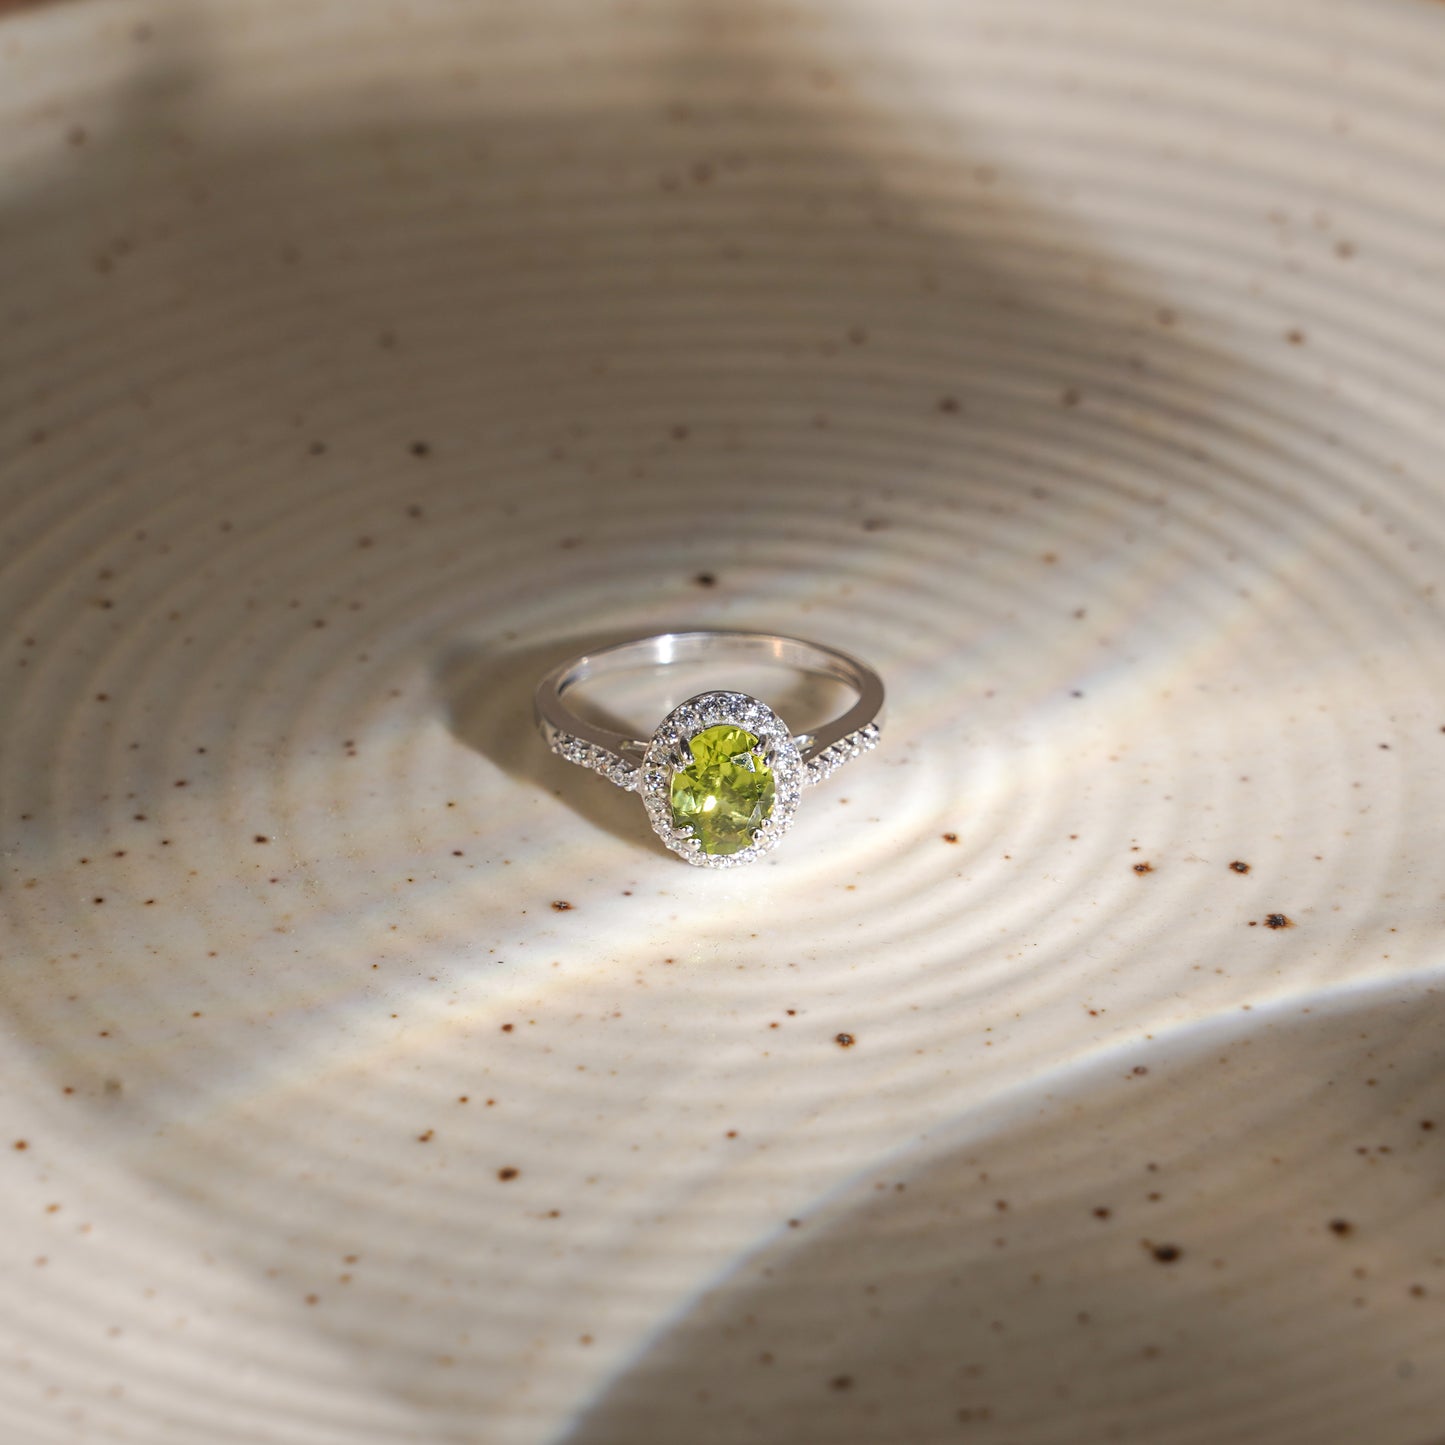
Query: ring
point(721, 775)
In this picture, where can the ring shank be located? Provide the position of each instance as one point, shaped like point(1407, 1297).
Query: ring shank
point(713, 647)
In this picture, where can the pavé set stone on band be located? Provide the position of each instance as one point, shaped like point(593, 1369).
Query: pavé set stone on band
point(721, 775)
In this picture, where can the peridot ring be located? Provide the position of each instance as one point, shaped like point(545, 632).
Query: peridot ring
point(722, 773)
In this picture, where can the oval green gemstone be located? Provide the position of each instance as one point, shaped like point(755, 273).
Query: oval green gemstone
point(726, 793)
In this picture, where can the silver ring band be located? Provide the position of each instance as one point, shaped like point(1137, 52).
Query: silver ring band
point(649, 765)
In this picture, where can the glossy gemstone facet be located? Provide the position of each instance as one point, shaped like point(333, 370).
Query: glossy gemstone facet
point(726, 793)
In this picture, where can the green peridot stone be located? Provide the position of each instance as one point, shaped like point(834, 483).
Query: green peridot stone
point(727, 791)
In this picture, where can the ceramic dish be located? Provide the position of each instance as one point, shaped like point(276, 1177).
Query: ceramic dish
point(1072, 1071)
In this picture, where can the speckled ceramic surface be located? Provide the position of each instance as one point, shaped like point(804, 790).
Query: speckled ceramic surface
point(370, 1075)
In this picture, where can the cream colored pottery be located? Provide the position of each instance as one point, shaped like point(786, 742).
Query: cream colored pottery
point(370, 1075)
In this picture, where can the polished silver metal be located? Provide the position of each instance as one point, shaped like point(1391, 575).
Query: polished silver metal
point(559, 723)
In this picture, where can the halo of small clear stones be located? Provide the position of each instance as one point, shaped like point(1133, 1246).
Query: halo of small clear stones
point(826, 763)
point(668, 750)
